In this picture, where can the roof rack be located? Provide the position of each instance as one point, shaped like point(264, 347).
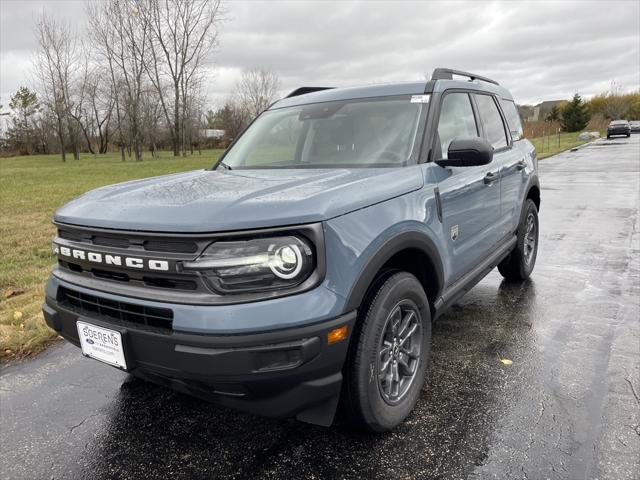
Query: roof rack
point(305, 90)
point(448, 73)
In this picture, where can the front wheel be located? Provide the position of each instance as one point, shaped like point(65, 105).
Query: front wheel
point(388, 360)
point(520, 262)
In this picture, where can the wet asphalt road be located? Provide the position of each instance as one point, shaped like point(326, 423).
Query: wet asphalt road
point(568, 407)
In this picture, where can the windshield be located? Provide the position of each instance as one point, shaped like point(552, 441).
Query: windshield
point(619, 122)
point(377, 132)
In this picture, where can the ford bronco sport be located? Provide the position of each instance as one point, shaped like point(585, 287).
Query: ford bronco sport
point(301, 273)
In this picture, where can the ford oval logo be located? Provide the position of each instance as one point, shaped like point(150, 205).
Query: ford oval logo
point(90, 342)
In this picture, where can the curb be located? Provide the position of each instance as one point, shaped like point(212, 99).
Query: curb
point(574, 149)
point(579, 147)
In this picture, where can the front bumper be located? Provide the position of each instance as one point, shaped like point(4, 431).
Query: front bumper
point(279, 373)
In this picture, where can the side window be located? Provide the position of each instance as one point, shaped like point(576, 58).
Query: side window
point(494, 131)
point(456, 121)
point(513, 118)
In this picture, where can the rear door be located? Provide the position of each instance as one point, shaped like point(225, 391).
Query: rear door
point(513, 171)
point(470, 196)
point(505, 159)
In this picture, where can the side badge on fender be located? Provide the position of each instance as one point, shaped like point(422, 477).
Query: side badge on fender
point(454, 233)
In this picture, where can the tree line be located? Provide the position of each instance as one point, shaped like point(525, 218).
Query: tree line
point(576, 114)
point(134, 82)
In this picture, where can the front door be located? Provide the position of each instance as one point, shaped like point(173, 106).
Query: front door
point(470, 196)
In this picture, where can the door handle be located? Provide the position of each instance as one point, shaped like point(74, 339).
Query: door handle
point(491, 177)
point(521, 165)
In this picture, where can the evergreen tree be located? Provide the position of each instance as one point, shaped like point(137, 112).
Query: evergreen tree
point(25, 106)
point(575, 115)
point(553, 115)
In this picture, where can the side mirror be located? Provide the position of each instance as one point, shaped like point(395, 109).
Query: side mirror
point(467, 152)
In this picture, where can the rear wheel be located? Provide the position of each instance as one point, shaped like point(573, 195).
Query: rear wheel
point(520, 262)
point(388, 360)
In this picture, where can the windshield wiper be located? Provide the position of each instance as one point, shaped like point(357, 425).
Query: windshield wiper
point(226, 167)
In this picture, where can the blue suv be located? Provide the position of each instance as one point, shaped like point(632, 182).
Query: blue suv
point(301, 274)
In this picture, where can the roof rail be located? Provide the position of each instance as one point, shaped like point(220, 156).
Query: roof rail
point(305, 90)
point(448, 73)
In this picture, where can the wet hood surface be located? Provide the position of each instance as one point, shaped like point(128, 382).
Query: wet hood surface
point(207, 201)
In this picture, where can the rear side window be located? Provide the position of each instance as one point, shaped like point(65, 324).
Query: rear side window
point(513, 118)
point(456, 121)
point(494, 131)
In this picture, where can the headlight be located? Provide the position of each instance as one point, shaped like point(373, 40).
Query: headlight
point(255, 265)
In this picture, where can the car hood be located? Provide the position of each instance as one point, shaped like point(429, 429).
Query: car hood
point(210, 201)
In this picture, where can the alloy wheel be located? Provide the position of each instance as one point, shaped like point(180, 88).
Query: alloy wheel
point(530, 238)
point(399, 351)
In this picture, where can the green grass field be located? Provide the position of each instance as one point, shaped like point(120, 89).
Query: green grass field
point(547, 146)
point(31, 188)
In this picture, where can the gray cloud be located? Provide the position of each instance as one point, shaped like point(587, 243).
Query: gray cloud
point(540, 50)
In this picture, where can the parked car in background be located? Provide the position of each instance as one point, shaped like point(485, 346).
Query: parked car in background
point(634, 126)
point(302, 272)
point(618, 127)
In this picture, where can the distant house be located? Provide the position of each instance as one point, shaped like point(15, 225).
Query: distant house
point(212, 134)
point(543, 109)
point(539, 112)
point(526, 112)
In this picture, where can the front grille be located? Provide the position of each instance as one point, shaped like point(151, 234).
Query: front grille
point(173, 248)
point(153, 244)
point(117, 242)
point(74, 236)
point(168, 246)
point(182, 282)
point(178, 284)
point(120, 313)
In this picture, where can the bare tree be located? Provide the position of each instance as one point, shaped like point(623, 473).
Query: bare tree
point(151, 119)
point(183, 33)
point(137, 79)
point(93, 105)
point(230, 117)
point(616, 106)
point(55, 65)
point(123, 40)
point(256, 90)
point(102, 102)
point(79, 99)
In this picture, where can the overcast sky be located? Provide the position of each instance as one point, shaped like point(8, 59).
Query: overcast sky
point(539, 50)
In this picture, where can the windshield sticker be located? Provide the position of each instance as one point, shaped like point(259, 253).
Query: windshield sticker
point(419, 98)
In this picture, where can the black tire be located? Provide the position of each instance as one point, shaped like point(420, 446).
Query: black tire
point(520, 262)
point(369, 396)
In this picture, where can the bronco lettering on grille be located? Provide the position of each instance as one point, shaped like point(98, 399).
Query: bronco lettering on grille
point(108, 259)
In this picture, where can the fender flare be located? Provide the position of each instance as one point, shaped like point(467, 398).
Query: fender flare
point(410, 239)
point(533, 182)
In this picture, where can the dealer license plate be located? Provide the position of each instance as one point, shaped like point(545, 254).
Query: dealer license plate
point(102, 344)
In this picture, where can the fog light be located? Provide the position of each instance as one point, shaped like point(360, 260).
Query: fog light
point(337, 334)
